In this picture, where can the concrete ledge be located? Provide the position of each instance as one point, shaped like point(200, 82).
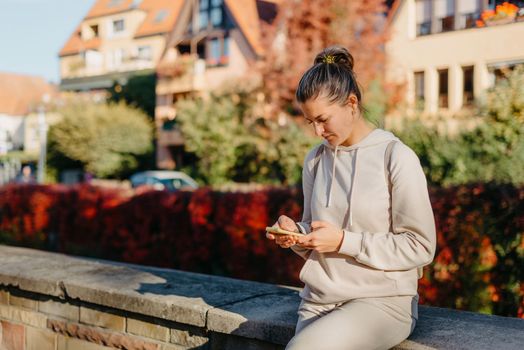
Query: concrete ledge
point(220, 307)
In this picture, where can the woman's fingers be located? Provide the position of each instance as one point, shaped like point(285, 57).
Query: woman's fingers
point(307, 241)
point(286, 223)
point(315, 225)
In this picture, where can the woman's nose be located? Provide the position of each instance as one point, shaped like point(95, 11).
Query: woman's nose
point(319, 129)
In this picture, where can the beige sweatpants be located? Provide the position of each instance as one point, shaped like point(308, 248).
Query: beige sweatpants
point(367, 323)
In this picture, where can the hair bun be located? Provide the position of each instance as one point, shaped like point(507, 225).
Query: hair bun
point(335, 54)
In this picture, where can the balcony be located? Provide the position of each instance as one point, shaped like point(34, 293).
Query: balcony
point(185, 74)
point(505, 13)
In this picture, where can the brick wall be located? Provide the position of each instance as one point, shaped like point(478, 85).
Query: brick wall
point(32, 321)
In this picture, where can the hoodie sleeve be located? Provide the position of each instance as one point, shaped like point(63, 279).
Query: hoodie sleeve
point(307, 186)
point(413, 240)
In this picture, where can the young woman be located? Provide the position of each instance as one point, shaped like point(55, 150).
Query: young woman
point(367, 220)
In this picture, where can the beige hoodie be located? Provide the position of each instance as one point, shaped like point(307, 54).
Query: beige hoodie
point(375, 259)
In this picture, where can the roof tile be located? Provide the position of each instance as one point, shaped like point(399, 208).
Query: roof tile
point(161, 16)
point(19, 94)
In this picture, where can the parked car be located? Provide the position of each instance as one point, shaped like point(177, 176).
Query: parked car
point(163, 180)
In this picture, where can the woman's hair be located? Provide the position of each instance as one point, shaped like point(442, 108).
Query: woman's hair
point(331, 74)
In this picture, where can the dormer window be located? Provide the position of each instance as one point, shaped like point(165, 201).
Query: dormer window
point(118, 26)
point(114, 3)
point(161, 15)
point(94, 30)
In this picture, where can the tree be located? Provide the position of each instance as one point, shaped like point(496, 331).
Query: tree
point(102, 139)
point(303, 28)
point(234, 143)
point(139, 92)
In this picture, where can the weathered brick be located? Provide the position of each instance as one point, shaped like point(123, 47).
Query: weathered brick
point(65, 310)
point(98, 336)
point(23, 302)
point(39, 339)
point(66, 343)
point(5, 311)
point(4, 297)
point(188, 336)
point(11, 336)
point(31, 318)
point(148, 330)
point(102, 319)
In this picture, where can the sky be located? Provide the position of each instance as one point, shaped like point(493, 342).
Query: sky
point(32, 32)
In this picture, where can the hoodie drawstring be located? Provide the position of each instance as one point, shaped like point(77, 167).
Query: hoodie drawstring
point(352, 190)
point(332, 178)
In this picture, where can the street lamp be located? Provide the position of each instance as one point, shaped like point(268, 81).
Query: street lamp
point(42, 129)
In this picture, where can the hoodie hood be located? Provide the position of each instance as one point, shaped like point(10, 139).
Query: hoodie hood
point(374, 138)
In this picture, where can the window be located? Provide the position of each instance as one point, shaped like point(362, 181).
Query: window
point(204, 19)
point(419, 90)
point(213, 58)
point(144, 53)
point(216, 17)
point(94, 30)
point(443, 88)
point(118, 56)
point(118, 26)
point(161, 15)
point(469, 12)
point(468, 96)
point(218, 52)
point(423, 17)
point(211, 13)
point(114, 3)
point(445, 15)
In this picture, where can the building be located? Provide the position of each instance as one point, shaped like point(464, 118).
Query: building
point(115, 40)
point(446, 54)
point(20, 98)
point(213, 41)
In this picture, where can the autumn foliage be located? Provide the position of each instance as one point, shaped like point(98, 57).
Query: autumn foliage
point(478, 265)
point(302, 29)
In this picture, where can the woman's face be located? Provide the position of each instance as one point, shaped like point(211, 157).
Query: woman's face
point(331, 121)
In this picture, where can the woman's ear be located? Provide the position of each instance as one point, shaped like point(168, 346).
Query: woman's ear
point(353, 102)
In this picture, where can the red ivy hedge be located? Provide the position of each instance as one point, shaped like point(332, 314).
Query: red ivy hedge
point(479, 265)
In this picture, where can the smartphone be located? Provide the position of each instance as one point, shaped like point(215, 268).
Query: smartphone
point(279, 231)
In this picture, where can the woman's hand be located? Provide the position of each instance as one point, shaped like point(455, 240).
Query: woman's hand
point(324, 238)
point(285, 223)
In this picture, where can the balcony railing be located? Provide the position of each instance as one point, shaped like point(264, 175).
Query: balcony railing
point(502, 14)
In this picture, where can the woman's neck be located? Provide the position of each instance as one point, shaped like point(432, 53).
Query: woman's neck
point(360, 131)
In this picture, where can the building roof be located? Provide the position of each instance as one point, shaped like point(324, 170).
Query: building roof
point(75, 44)
point(246, 15)
point(19, 94)
point(161, 16)
point(109, 7)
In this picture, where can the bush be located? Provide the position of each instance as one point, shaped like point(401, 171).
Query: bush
point(492, 151)
point(105, 140)
point(478, 265)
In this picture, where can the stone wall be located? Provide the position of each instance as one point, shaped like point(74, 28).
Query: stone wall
point(56, 302)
